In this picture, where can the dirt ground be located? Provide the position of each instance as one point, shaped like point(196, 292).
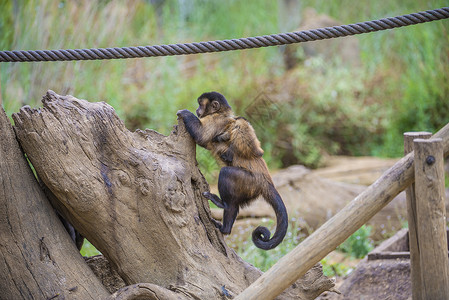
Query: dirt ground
point(373, 280)
point(383, 274)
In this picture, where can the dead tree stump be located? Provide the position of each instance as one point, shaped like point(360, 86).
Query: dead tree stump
point(137, 197)
point(37, 258)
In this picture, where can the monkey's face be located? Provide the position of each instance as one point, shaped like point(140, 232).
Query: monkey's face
point(207, 107)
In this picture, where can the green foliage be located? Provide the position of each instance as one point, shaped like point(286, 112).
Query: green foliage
point(358, 244)
point(88, 249)
point(264, 259)
point(334, 269)
point(412, 96)
point(329, 109)
point(333, 109)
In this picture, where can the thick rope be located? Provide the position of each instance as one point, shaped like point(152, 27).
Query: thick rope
point(226, 45)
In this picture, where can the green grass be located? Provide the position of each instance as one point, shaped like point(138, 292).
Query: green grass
point(356, 246)
point(335, 269)
point(264, 259)
point(88, 249)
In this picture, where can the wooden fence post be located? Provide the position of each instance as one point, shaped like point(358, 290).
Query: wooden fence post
point(431, 216)
point(415, 264)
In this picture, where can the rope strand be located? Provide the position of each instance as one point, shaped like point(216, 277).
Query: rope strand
point(225, 45)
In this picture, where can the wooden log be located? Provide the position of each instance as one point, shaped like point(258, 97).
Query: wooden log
point(415, 264)
point(431, 214)
point(137, 196)
point(338, 228)
point(38, 260)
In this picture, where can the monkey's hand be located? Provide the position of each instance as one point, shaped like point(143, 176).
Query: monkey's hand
point(227, 156)
point(222, 137)
point(184, 113)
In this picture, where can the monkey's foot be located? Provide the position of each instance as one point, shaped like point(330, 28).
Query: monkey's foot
point(215, 199)
point(216, 223)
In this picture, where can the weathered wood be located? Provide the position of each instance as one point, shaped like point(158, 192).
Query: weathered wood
point(338, 228)
point(431, 214)
point(144, 291)
point(1, 99)
point(137, 196)
point(388, 255)
point(38, 260)
point(415, 264)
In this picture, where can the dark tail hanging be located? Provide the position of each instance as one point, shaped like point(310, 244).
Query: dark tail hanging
point(261, 235)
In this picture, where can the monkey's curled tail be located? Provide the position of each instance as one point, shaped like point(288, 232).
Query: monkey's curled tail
point(261, 235)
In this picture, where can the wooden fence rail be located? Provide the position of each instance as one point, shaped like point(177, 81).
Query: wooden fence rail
point(336, 230)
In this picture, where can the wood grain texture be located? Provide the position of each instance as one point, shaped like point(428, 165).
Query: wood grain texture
point(38, 260)
point(431, 217)
point(415, 264)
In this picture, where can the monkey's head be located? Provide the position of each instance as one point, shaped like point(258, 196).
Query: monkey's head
point(211, 103)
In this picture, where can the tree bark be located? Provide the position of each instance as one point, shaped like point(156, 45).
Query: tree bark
point(137, 197)
point(37, 258)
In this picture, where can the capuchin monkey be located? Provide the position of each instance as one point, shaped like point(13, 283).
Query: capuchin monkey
point(244, 175)
point(76, 237)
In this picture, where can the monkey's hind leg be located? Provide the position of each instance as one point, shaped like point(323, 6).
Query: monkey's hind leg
point(215, 199)
point(229, 214)
point(237, 188)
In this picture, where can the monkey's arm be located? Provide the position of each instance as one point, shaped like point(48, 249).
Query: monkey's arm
point(221, 137)
point(228, 156)
point(195, 128)
point(244, 140)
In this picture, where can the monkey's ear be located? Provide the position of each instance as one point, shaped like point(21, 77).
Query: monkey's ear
point(215, 105)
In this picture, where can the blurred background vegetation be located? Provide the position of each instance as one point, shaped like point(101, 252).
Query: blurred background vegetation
point(401, 83)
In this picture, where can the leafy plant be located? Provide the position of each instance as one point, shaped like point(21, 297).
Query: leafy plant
point(401, 85)
point(263, 259)
point(297, 232)
point(88, 249)
point(334, 269)
point(358, 244)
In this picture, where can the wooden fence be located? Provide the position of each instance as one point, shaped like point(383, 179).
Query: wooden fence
point(427, 221)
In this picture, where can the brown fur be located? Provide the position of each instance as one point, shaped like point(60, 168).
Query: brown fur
point(244, 176)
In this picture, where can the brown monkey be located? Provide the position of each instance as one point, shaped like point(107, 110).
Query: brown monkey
point(244, 176)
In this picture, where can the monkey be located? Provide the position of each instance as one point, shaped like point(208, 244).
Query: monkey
point(75, 235)
point(244, 174)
